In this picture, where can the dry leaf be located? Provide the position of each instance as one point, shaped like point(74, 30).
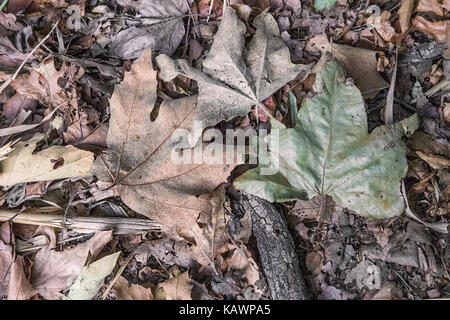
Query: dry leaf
point(430, 6)
point(162, 33)
point(213, 224)
point(405, 13)
point(235, 78)
point(43, 84)
point(435, 162)
point(6, 256)
point(19, 287)
point(382, 25)
point(446, 112)
point(22, 165)
point(439, 30)
point(314, 263)
point(360, 64)
point(139, 163)
point(127, 291)
point(176, 288)
point(92, 277)
point(54, 271)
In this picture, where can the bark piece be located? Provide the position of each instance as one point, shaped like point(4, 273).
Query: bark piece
point(276, 249)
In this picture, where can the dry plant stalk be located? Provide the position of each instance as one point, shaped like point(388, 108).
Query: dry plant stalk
point(82, 224)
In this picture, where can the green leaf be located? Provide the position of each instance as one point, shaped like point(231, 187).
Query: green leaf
point(323, 4)
point(91, 278)
point(330, 152)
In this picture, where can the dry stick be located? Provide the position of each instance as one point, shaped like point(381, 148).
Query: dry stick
point(82, 224)
point(14, 76)
point(211, 4)
point(117, 276)
point(389, 109)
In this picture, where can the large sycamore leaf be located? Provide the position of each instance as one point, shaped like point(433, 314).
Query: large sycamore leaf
point(138, 162)
point(56, 162)
point(162, 28)
point(235, 78)
point(330, 152)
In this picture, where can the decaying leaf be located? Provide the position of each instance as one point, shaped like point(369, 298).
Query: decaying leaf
point(366, 274)
point(405, 13)
point(439, 30)
point(19, 288)
point(235, 78)
point(434, 6)
point(54, 271)
point(358, 63)
point(162, 28)
point(139, 159)
point(436, 162)
point(43, 84)
point(91, 278)
point(6, 256)
point(126, 291)
point(176, 288)
point(330, 152)
point(22, 165)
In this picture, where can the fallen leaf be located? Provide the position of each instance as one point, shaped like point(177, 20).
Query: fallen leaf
point(139, 161)
point(19, 287)
point(382, 25)
point(213, 225)
point(43, 84)
point(235, 78)
point(54, 271)
point(435, 162)
point(6, 256)
point(314, 263)
point(405, 13)
point(323, 4)
point(439, 30)
point(162, 32)
point(430, 6)
point(126, 291)
point(341, 155)
point(15, 6)
point(10, 57)
point(360, 64)
point(366, 274)
point(22, 165)
point(91, 278)
point(176, 288)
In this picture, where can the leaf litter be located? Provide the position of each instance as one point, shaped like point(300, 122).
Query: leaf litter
point(89, 107)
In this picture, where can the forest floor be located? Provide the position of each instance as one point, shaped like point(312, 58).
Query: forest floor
point(88, 89)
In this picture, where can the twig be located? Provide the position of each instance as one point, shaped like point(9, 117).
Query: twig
point(3, 4)
point(117, 276)
point(211, 4)
point(389, 108)
point(14, 76)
